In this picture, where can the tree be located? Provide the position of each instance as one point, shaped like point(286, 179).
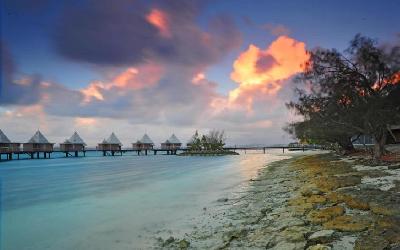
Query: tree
point(316, 131)
point(214, 141)
point(204, 143)
point(195, 142)
point(350, 93)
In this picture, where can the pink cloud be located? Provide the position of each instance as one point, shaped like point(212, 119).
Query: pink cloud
point(84, 121)
point(160, 20)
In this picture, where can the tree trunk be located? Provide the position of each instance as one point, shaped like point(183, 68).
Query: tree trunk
point(379, 146)
point(346, 145)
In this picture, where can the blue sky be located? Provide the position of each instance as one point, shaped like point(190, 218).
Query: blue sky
point(70, 45)
point(329, 24)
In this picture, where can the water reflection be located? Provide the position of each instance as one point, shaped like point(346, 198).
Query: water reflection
point(249, 166)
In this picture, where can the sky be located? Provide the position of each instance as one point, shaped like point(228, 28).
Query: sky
point(162, 67)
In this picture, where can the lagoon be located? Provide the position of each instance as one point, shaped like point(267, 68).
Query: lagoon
point(121, 202)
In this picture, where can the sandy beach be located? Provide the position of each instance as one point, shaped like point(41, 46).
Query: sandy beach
point(314, 201)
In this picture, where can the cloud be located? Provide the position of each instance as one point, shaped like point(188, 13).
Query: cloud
point(128, 33)
point(23, 91)
point(265, 62)
point(264, 78)
point(155, 57)
point(160, 20)
point(132, 78)
point(277, 30)
point(265, 71)
point(85, 122)
point(146, 94)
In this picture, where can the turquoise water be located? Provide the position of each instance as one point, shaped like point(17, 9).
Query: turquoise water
point(113, 202)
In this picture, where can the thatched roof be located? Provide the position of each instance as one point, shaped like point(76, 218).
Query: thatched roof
point(4, 138)
point(76, 139)
point(38, 138)
point(113, 139)
point(173, 140)
point(145, 140)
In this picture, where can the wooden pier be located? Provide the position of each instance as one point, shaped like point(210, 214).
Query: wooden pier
point(139, 152)
point(31, 154)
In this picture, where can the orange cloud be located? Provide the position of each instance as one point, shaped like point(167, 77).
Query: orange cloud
point(159, 19)
point(93, 91)
point(138, 78)
point(130, 79)
point(264, 71)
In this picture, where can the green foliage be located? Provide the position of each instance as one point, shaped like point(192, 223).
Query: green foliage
point(350, 93)
point(214, 141)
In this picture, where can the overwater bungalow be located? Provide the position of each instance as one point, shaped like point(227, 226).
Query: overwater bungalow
point(111, 144)
point(392, 137)
point(143, 144)
point(6, 146)
point(38, 143)
point(172, 143)
point(73, 144)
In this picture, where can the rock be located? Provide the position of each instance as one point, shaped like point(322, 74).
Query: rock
point(289, 245)
point(168, 241)
point(323, 236)
point(288, 222)
point(184, 244)
point(350, 201)
point(253, 220)
point(346, 223)
point(233, 234)
point(330, 183)
point(300, 205)
point(319, 247)
point(222, 200)
point(376, 209)
point(350, 180)
point(392, 167)
point(310, 190)
point(389, 229)
point(315, 198)
point(371, 242)
point(345, 242)
point(261, 237)
point(355, 203)
point(266, 210)
point(324, 215)
point(294, 234)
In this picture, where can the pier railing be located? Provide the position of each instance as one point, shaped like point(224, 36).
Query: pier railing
point(32, 154)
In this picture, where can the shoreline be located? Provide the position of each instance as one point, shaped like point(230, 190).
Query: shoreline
point(208, 153)
point(318, 201)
